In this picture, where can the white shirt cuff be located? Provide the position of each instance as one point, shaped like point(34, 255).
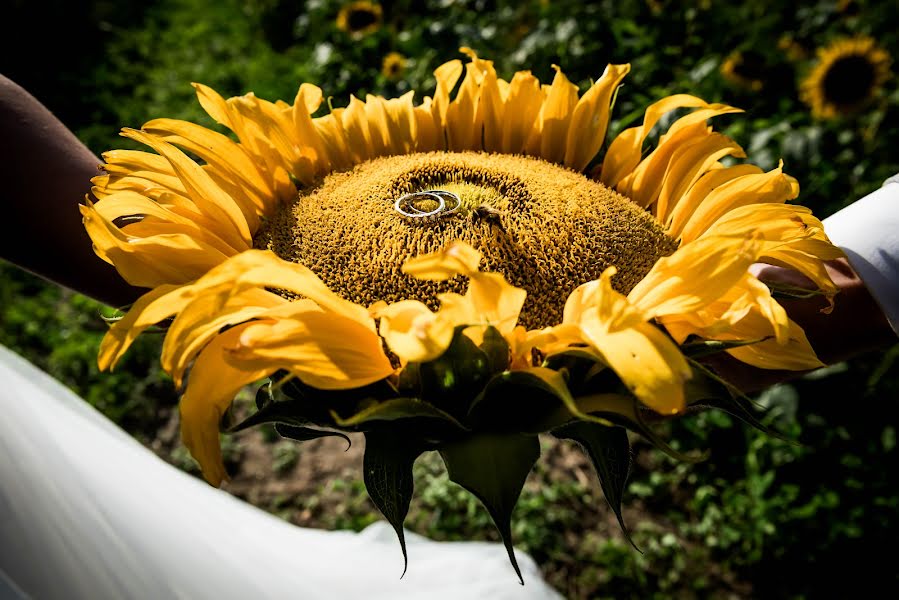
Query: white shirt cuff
point(868, 231)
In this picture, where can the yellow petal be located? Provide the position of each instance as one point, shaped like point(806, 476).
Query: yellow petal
point(326, 351)
point(645, 359)
point(149, 262)
point(694, 276)
point(492, 112)
point(261, 268)
point(626, 149)
point(413, 332)
point(555, 116)
point(156, 216)
point(521, 110)
point(356, 127)
point(227, 158)
point(402, 126)
point(688, 165)
point(645, 184)
point(214, 105)
point(204, 316)
point(210, 390)
point(210, 199)
point(446, 75)
point(457, 258)
point(151, 308)
point(587, 131)
point(463, 131)
point(307, 101)
point(796, 354)
point(378, 130)
point(334, 139)
point(428, 137)
point(700, 193)
point(758, 188)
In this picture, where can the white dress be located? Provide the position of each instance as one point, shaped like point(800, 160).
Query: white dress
point(87, 512)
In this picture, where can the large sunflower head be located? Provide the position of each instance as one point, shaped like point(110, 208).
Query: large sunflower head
point(848, 75)
point(442, 275)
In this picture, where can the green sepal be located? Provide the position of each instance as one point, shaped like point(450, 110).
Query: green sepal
point(626, 411)
point(530, 401)
point(711, 391)
point(303, 434)
point(703, 348)
point(289, 412)
point(451, 381)
point(610, 451)
point(494, 468)
point(387, 473)
point(496, 348)
point(395, 409)
point(581, 365)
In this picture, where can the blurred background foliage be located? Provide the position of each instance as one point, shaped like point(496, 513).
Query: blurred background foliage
point(762, 517)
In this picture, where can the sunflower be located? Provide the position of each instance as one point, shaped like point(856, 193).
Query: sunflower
point(405, 270)
point(393, 66)
point(849, 73)
point(360, 18)
point(744, 69)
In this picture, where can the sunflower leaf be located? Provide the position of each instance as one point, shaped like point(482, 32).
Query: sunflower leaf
point(529, 401)
point(711, 391)
point(302, 434)
point(394, 409)
point(625, 411)
point(703, 348)
point(581, 365)
point(610, 452)
point(494, 467)
point(289, 412)
point(458, 375)
point(496, 348)
point(387, 473)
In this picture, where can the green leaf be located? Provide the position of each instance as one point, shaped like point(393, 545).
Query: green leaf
point(711, 391)
point(494, 468)
point(302, 434)
point(529, 401)
point(387, 473)
point(703, 348)
point(394, 409)
point(495, 347)
point(285, 411)
point(580, 364)
point(452, 381)
point(610, 451)
point(626, 411)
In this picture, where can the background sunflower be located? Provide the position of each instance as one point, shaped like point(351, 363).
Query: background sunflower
point(848, 75)
point(747, 523)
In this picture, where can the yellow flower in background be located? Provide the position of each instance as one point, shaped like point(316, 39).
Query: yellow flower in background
point(344, 248)
point(744, 69)
point(393, 66)
point(848, 75)
point(793, 50)
point(360, 18)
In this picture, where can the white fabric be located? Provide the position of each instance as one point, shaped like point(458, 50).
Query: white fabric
point(87, 512)
point(868, 231)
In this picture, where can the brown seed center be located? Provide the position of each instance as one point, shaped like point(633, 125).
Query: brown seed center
point(546, 228)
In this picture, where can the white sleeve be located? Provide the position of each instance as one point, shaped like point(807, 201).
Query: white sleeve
point(868, 231)
point(88, 513)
